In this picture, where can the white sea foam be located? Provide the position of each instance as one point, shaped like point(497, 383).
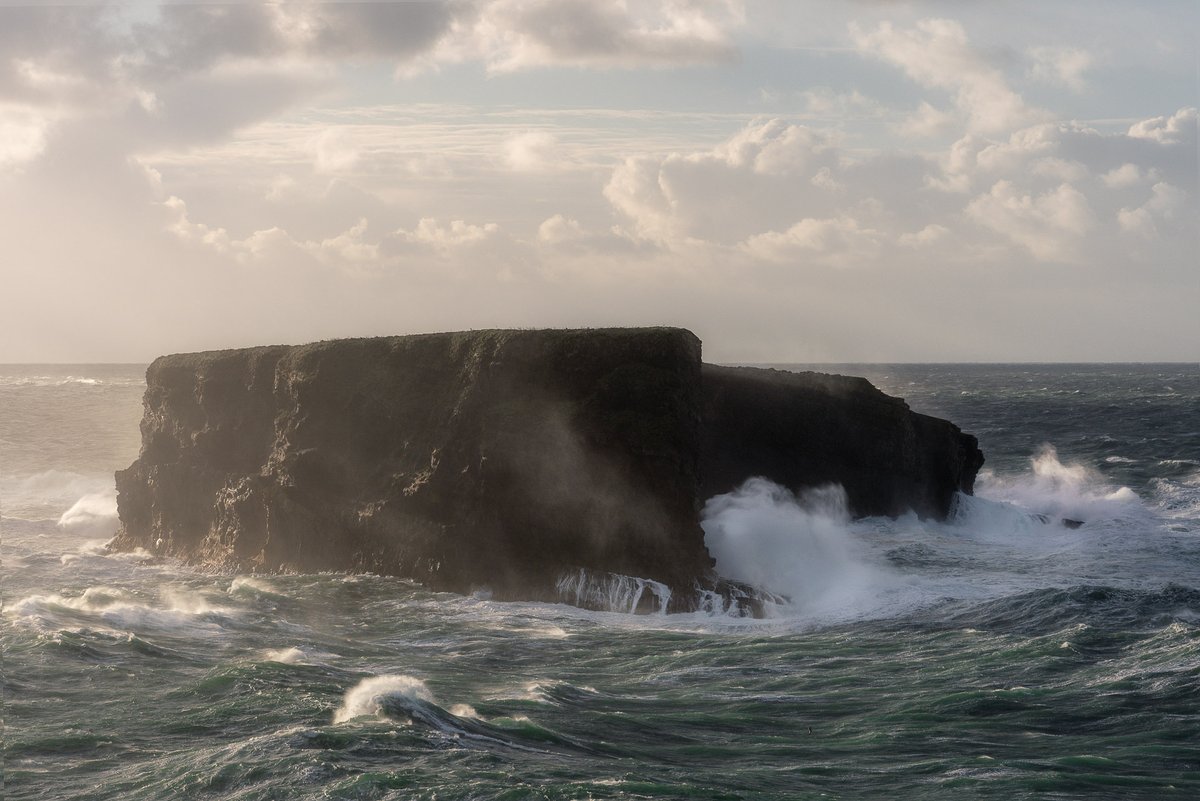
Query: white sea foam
point(95, 514)
point(799, 547)
point(368, 697)
point(1060, 490)
point(119, 609)
point(252, 585)
point(286, 656)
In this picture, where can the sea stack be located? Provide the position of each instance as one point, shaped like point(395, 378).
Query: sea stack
point(553, 465)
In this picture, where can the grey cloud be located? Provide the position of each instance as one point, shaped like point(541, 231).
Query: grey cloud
point(48, 52)
point(195, 37)
point(586, 30)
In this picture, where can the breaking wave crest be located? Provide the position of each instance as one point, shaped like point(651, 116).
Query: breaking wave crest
point(378, 695)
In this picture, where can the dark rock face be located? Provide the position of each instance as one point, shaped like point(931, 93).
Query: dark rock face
point(541, 465)
point(805, 429)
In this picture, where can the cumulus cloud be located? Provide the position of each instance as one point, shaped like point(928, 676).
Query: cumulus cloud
point(840, 239)
point(1125, 175)
point(348, 249)
point(431, 233)
point(1070, 152)
point(936, 53)
point(564, 235)
point(1051, 225)
point(703, 195)
point(1163, 206)
point(1177, 128)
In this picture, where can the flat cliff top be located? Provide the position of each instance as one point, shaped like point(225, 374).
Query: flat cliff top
point(549, 337)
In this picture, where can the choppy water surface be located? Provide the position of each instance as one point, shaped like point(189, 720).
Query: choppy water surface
point(993, 656)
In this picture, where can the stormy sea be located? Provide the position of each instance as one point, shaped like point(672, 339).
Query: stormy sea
point(1005, 653)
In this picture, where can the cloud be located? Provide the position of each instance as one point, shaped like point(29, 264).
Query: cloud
point(333, 151)
point(509, 35)
point(1163, 207)
point(1072, 153)
point(430, 233)
point(703, 195)
point(1179, 127)
point(532, 151)
point(1051, 225)
point(273, 245)
point(1120, 177)
point(563, 235)
point(190, 38)
point(937, 54)
point(1060, 66)
point(841, 239)
point(175, 75)
point(823, 101)
point(22, 135)
point(927, 121)
point(927, 236)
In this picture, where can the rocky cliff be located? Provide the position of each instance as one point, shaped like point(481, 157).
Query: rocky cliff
point(542, 465)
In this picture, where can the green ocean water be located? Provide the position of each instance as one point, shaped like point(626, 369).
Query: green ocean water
point(991, 656)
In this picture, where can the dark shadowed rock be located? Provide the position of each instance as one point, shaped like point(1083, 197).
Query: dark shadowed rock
point(806, 429)
point(541, 465)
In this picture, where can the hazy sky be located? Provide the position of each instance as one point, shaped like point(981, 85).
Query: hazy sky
point(794, 181)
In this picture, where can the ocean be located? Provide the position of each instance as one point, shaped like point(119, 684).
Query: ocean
point(1000, 654)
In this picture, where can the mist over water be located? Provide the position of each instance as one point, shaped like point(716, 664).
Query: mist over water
point(998, 654)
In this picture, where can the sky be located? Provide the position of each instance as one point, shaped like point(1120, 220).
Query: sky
point(794, 181)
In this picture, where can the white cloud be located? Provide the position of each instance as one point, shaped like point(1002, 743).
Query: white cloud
point(937, 54)
point(532, 151)
point(839, 239)
point(22, 135)
point(773, 148)
point(753, 181)
point(333, 151)
point(1060, 66)
point(1071, 153)
point(1050, 225)
point(443, 238)
point(1162, 207)
point(347, 248)
point(1120, 177)
point(1179, 127)
point(928, 235)
point(215, 238)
